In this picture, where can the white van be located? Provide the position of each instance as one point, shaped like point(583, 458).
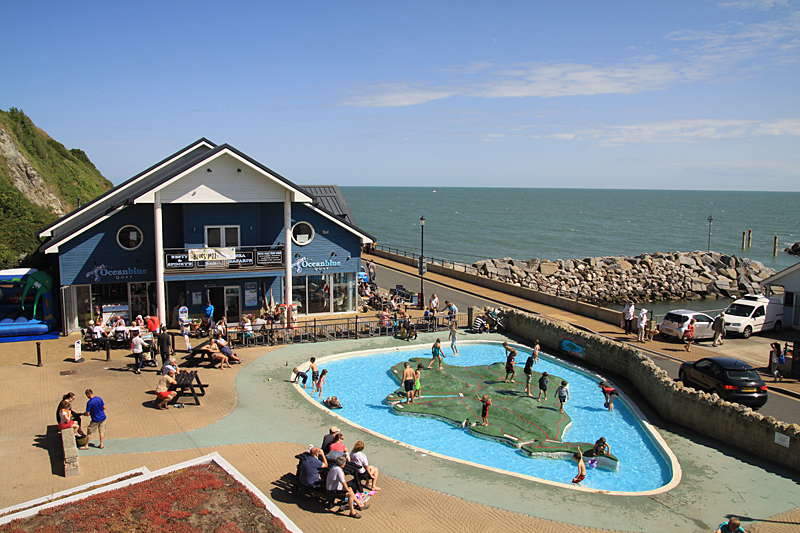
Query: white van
point(753, 313)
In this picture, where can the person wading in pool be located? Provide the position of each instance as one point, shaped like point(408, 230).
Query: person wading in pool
point(409, 377)
point(610, 394)
point(436, 351)
point(511, 355)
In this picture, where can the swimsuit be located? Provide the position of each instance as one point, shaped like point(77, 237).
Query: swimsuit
point(579, 478)
point(485, 409)
point(409, 385)
point(314, 376)
point(417, 385)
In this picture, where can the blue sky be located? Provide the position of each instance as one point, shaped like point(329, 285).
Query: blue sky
point(652, 95)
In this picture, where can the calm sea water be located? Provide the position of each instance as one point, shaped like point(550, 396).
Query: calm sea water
point(468, 224)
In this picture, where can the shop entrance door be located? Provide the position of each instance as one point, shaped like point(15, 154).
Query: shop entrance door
point(216, 295)
point(233, 308)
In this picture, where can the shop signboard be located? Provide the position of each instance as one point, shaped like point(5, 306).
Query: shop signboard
point(269, 257)
point(177, 261)
point(242, 259)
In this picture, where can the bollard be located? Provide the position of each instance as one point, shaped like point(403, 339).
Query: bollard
point(775, 247)
point(749, 238)
point(744, 239)
point(38, 354)
point(172, 336)
point(108, 349)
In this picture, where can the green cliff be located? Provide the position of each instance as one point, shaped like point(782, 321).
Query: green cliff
point(40, 180)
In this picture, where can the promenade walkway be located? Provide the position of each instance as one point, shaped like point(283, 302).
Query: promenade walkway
point(258, 421)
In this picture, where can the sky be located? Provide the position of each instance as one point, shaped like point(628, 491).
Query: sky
point(699, 94)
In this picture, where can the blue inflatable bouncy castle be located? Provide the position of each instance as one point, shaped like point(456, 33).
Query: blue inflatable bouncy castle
point(26, 302)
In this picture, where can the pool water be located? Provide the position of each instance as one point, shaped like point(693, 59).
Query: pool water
point(362, 382)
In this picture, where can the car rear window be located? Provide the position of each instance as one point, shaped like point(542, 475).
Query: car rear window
point(673, 317)
point(742, 375)
point(739, 310)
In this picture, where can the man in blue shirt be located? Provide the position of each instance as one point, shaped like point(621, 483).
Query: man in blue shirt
point(97, 410)
point(208, 315)
point(309, 468)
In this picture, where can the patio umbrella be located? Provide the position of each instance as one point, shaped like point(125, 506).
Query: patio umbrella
point(271, 302)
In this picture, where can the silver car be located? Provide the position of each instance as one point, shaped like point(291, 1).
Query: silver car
point(674, 321)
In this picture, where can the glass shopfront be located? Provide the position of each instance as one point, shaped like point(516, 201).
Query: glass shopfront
point(312, 294)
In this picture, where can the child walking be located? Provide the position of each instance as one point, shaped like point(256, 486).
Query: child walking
point(321, 382)
point(581, 468)
point(485, 408)
point(454, 333)
point(562, 395)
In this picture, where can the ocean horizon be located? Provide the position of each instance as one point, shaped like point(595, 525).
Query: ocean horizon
point(468, 224)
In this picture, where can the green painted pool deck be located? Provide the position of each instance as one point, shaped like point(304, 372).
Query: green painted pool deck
point(717, 480)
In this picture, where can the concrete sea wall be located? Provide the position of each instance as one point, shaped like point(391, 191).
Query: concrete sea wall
point(705, 413)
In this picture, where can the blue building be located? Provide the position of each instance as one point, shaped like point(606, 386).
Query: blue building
point(208, 223)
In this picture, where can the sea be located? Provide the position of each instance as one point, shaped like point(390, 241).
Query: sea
point(466, 224)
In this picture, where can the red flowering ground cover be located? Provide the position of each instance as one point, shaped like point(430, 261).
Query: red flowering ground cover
point(199, 499)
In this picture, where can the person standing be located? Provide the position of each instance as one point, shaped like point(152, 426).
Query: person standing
point(629, 314)
point(208, 317)
point(164, 345)
point(454, 333)
point(433, 303)
point(417, 382)
point(774, 360)
point(511, 355)
point(578, 456)
point(719, 329)
point(485, 403)
point(641, 326)
point(96, 409)
point(536, 351)
point(543, 381)
point(528, 375)
point(371, 271)
point(688, 335)
point(436, 352)
point(562, 395)
point(138, 346)
point(409, 377)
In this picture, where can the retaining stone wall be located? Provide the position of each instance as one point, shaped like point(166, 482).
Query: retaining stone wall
point(699, 411)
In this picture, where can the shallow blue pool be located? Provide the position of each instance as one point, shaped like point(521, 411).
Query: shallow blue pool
point(362, 382)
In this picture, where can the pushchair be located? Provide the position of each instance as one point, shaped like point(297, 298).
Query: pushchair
point(497, 325)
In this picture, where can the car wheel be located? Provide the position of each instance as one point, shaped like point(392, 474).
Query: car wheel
point(682, 377)
point(778, 327)
point(747, 332)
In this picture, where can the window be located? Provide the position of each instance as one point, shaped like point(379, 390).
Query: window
point(302, 233)
point(222, 236)
point(129, 237)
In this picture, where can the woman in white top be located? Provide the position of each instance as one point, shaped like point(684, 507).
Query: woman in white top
point(358, 456)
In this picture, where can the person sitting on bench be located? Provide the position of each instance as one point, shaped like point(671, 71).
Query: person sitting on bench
point(308, 473)
point(336, 484)
point(99, 337)
point(225, 348)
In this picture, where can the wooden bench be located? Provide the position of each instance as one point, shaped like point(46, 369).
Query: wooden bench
point(189, 380)
point(70, 447)
point(203, 352)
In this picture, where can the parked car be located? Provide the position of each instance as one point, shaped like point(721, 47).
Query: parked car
point(731, 379)
point(674, 321)
point(753, 313)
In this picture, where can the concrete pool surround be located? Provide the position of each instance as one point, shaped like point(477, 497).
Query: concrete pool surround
point(647, 428)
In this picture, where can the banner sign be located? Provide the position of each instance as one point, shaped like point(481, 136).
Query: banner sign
point(178, 261)
point(270, 258)
point(242, 259)
point(211, 254)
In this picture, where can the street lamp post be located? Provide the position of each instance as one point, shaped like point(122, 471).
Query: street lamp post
point(422, 261)
point(710, 220)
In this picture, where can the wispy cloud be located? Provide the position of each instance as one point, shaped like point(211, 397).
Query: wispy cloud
point(688, 131)
point(696, 55)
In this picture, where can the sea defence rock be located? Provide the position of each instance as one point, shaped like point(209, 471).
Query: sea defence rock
point(793, 249)
point(646, 277)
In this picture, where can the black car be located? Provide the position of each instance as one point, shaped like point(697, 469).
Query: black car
point(731, 379)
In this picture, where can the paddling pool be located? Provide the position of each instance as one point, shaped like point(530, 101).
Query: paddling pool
point(361, 381)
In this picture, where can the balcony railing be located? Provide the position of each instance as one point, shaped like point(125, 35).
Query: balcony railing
point(243, 258)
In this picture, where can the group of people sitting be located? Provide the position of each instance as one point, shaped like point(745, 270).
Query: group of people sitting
point(333, 456)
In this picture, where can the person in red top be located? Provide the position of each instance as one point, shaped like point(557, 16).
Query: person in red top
point(688, 335)
point(338, 445)
point(153, 324)
point(610, 394)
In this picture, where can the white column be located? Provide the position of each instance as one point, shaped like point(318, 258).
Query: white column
point(287, 252)
point(161, 301)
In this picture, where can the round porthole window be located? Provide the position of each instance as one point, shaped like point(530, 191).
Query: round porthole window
point(302, 233)
point(129, 237)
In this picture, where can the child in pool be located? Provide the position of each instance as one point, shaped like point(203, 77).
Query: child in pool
point(581, 468)
point(299, 376)
point(601, 447)
point(320, 382)
point(417, 383)
point(485, 408)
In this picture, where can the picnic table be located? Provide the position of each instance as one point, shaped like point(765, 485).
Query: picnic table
point(189, 380)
